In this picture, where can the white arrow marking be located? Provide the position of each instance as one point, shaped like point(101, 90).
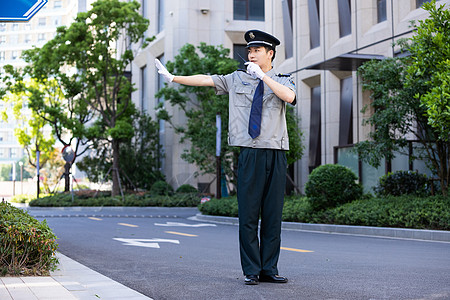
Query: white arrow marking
point(148, 243)
point(184, 224)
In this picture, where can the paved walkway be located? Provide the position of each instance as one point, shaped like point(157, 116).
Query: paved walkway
point(71, 281)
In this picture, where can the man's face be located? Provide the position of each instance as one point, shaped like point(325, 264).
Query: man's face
point(260, 56)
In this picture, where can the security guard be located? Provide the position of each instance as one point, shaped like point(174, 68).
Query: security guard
point(257, 124)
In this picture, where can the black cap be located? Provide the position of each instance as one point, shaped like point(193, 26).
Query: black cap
point(258, 38)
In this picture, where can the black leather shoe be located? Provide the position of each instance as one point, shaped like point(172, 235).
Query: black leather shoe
point(251, 280)
point(272, 278)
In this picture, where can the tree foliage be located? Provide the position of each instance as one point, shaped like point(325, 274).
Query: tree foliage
point(139, 157)
point(90, 58)
point(201, 104)
point(409, 98)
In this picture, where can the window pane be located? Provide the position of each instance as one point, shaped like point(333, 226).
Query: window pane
point(240, 9)
point(346, 112)
point(314, 23)
point(287, 28)
point(347, 157)
point(256, 10)
point(240, 54)
point(315, 135)
point(420, 2)
point(160, 15)
point(370, 175)
point(144, 102)
point(381, 10)
point(345, 18)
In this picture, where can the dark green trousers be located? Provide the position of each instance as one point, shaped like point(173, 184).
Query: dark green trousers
point(260, 190)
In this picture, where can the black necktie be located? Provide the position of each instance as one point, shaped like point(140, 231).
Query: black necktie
point(254, 124)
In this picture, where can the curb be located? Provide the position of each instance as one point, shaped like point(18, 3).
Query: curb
point(401, 233)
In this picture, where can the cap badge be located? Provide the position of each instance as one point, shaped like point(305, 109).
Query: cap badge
point(251, 35)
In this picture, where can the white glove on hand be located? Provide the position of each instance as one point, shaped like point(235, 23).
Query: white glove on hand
point(254, 70)
point(163, 71)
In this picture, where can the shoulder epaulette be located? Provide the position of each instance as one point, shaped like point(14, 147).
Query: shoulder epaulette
point(283, 75)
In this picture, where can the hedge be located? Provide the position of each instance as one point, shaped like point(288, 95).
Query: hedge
point(27, 246)
point(401, 212)
point(65, 199)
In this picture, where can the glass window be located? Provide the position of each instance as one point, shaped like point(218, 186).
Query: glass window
point(57, 4)
point(314, 23)
point(13, 152)
point(2, 55)
point(2, 152)
point(27, 38)
point(345, 17)
point(420, 2)
point(315, 130)
point(371, 175)
point(144, 102)
point(15, 54)
point(2, 39)
point(15, 27)
point(287, 26)
point(349, 158)
point(240, 54)
point(57, 20)
point(160, 15)
point(2, 27)
point(346, 112)
point(42, 21)
point(252, 10)
point(41, 37)
point(381, 11)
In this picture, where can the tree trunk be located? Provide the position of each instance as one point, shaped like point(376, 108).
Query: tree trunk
point(115, 169)
point(67, 177)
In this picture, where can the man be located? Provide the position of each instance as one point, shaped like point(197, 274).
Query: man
point(257, 124)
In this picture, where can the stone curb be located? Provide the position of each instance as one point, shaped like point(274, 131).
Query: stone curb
point(415, 234)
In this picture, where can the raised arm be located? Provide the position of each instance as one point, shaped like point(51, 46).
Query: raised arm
point(283, 92)
point(193, 80)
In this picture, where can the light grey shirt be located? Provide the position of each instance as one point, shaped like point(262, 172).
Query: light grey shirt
point(241, 87)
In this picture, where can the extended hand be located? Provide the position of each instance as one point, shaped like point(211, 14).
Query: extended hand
point(163, 71)
point(254, 70)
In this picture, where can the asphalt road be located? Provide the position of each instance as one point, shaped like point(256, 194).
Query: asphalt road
point(164, 255)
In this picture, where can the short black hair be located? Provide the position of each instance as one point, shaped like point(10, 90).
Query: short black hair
point(271, 48)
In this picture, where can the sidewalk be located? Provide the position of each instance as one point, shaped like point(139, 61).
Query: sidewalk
point(71, 281)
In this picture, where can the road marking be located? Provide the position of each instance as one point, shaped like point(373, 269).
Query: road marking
point(180, 233)
point(184, 224)
point(96, 219)
point(295, 250)
point(129, 225)
point(148, 243)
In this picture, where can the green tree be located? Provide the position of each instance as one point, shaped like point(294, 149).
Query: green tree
point(32, 132)
point(60, 108)
point(409, 98)
point(139, 163)
point(201, 104)
point(97, 45)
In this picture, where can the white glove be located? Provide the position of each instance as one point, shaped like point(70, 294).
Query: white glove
point(163, 71)
point(254, 70)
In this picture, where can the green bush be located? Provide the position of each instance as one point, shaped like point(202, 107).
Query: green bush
point(220, 207)
point(161, 188)
point(402, 212)
point(28, 246)
point(330, 185)
point(402, 183)
point(186, 188)
point(65, 199)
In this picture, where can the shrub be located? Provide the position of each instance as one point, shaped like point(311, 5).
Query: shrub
point(186, 188)
point(27, 246)
point(330, 185)
point(220, 207)
point(403, 212)
point(402, 183)
point(161, 188)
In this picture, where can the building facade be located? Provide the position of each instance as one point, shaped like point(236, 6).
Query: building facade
point(15, 37)
point(322, 44)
